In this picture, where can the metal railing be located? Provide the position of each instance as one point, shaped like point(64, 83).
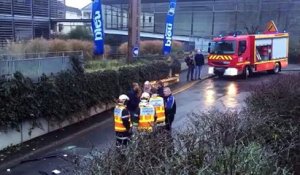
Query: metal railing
point(34, 65)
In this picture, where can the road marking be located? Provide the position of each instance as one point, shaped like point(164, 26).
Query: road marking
point(189, 85)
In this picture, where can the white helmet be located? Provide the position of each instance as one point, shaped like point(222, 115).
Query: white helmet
point(145, 95)
point(123, 97)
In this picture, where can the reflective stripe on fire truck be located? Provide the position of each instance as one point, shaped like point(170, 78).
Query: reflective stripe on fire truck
point(247, 62)
point(271, 61)
point(220, 57)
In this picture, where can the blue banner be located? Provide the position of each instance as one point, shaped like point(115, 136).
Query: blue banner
point(169, 28)
point(97, 27)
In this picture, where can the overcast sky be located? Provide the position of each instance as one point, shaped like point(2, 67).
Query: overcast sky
point(77, 3)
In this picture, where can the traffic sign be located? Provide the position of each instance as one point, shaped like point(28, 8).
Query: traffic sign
point(135, 51)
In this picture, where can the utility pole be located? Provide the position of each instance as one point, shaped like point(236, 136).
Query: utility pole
point(213, 20)
point(134, 11)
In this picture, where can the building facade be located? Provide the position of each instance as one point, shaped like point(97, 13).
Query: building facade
point(66, 27)
point(116, 17)
point(26, 19)
point(209, 18)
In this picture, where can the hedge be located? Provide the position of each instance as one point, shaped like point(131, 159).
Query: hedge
point(277, 104)
point(261, 139)
point(57, 98)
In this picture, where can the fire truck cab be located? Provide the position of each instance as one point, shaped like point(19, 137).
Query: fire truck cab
point(247, 54)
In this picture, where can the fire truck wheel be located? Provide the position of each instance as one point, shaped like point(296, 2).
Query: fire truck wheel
point(275, 70)
point(246, 72)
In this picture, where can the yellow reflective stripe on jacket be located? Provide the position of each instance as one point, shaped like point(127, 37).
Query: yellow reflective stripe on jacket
point(146, 118)
point(158, 103)
point(119, 126)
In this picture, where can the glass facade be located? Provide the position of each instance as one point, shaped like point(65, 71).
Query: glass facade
point(26, 19)
point(208, 18)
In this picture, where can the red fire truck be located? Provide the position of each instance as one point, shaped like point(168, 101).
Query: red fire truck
point(246, 54)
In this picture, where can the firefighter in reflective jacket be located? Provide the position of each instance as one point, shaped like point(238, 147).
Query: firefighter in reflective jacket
point(158, 103)
point(146, 114)
point(122, 121)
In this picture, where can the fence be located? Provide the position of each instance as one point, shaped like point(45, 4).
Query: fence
point(35, 65)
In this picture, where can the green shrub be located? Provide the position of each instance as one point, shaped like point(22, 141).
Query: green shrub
point(277, 105)
point(58, 97)
point(17, 102)
point(81, 33)
point(212, 144)
point(175, 66)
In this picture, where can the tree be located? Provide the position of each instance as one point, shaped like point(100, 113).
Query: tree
point(81, 32)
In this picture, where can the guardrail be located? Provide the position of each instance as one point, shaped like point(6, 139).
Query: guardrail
point(34, 65)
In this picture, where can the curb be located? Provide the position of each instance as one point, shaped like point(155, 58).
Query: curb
point(15, 162)
point(191, 84)
point(290, 70)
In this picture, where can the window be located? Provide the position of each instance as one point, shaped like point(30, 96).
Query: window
point(150, 19)
point(263, 53)
point(242, 47)
point(144, 19)
point(224, 47)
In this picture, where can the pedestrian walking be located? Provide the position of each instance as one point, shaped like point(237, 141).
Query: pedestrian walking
point(158, 103)
point(146, 114)
point(170, 107)
point(199, 60)
point(122, 122)
point(189, 60)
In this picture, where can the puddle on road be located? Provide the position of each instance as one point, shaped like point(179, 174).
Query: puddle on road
point(210, 95)
point(230, 99)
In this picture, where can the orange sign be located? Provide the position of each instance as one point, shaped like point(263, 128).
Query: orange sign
point(271, 27)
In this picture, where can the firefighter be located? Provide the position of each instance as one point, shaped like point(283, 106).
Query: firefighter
point(146, 114)
point(123, 124)
point(158, 103)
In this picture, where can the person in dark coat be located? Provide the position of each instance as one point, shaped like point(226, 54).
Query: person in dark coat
point(133, 103)
point(170, 107)
point(191, 66)
point(199, 60)
point(160, 88)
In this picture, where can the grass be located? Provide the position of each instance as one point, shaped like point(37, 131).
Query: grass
point(100, 65)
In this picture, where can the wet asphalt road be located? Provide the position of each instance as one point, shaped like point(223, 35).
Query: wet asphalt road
point(220, 94)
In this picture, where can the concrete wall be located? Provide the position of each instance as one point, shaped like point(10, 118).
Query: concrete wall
point(13, 137)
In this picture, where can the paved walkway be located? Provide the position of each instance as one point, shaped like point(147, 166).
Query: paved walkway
point(183, 75)
point(292, 67)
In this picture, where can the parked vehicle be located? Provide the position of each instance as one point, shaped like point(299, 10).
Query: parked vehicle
point(247, 54)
